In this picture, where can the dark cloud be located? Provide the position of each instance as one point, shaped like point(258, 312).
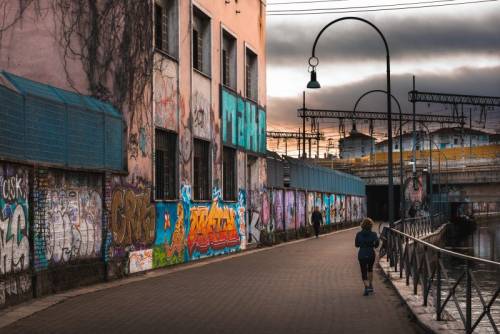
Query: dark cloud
point(290, 42)
point(282, 111)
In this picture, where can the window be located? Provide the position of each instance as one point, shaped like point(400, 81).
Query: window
point(165, 25)
point(201, 41)
point(228, 60)
point(229, 174)
point(165, 163)
point(251, 75)
point(455, 141)
point(201, 163)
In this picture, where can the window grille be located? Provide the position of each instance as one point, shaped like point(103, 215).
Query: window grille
point(229, 174)
point(165, 163)
point(201, 169)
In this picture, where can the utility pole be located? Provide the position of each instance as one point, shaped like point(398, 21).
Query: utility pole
point(414, 139)
point(304, 127)
point(470, 133)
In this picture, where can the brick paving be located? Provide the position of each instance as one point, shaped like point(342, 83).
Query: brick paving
point(306, 287)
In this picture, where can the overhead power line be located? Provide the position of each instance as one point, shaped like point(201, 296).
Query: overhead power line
point(364, 10)
point(302, 2)
point(360, 7)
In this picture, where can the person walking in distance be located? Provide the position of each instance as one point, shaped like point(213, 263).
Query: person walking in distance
point(366, 241)
point(317, 219)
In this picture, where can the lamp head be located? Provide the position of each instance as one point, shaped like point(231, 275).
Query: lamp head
point(313, 83)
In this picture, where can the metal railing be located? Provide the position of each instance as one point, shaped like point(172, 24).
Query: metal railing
point(455, 289)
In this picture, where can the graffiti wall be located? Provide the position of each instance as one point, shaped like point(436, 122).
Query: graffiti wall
point(132, 220)
point(318, 201)
point(201, 106)
point(310, 207)
point(301, 209)
point(188, 230)
point(326, 209)
point(278, 209)
point(73, 218)
point(165, 99)
point(14, 237)
point(332, 212)
point(290, 209)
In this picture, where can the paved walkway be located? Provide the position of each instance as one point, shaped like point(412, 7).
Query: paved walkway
point(305, 287)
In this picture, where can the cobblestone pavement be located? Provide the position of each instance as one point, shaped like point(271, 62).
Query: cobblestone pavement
point(306, 287)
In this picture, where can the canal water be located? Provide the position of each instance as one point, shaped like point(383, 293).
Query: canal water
point(484, 243)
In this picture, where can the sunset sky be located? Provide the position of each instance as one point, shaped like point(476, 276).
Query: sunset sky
point(450, 49)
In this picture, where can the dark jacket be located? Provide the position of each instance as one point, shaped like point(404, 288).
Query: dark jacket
point(366, 241)
point(316, 218)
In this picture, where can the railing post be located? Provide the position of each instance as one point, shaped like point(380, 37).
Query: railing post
point(425, 277)
point(468, 299)
point(408, 262)
point(416, 274)
point(438, 287)
point(400, 243)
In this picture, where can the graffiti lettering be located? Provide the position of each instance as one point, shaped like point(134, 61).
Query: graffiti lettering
point(73, 220)
point(212, 228)
point(14, 244)
point(132, 218)
point(13, 187)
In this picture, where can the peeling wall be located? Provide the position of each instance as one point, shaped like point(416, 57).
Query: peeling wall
point(165, 94)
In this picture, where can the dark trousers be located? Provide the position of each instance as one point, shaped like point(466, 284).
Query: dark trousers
point(366, 265)
point(316, 229)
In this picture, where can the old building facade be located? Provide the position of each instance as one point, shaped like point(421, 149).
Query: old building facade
point(140, 147)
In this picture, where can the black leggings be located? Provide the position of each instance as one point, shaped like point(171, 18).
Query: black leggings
point(366, 265)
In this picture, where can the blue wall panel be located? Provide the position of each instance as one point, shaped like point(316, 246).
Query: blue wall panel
point(45, 124)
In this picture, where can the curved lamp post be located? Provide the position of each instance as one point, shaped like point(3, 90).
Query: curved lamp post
point(313, 83)
point(401, 177)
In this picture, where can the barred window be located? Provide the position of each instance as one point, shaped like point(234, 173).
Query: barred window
point(251, 75)
point(165, 23)
point(201, 169)
point(201, 41)
point(228, 60)
point(229, 174)
point(165, 163)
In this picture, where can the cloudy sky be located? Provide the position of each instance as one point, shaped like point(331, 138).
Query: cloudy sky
point(450, 49)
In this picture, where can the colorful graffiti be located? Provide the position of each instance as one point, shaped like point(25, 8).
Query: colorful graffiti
point(132, 218)
point(277, 200)
point(332, 209)
point(266, 209)
point(310, 207)
point(301, 209)
point(326, 209)
point(243, 123)
point(170, 241)
point(14, 244)
point(190, 230)
point(290, 209)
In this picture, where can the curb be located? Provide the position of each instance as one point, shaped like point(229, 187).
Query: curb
point(16, 313)
point(420, 321)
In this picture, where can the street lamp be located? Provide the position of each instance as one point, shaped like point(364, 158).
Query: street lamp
point(401, 176)
point(314, 84)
